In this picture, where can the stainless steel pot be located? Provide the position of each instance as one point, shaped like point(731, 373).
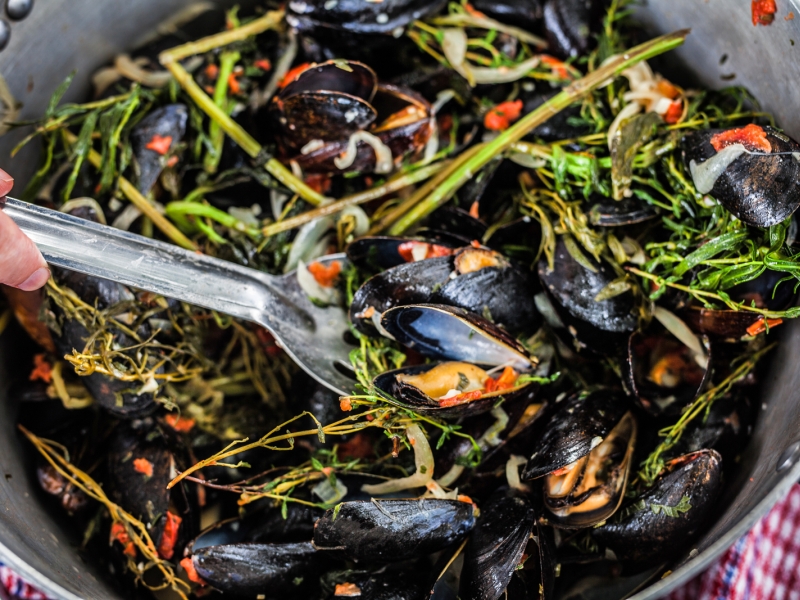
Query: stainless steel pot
point(725, 48)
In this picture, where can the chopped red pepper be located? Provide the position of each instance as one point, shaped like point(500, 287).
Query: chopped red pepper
point(42, 370)
point(143, 466)
point(292, 74)
point(502, 115)
point(212, 71)
point(761, 325)
point(345, 404)
point(263, 64)
point(166, 548)
point(267, 341)
point(160, 144)
point(347, 590)
point(173, 160)
point(325, 275)
point(763, 11)
point(319, 182)
point(473, 210)
point(191, 572)
point(751, 136)
point(475, 244)
point(120, 534)
point(559, 67)
point(406, 250)
point(460, 398)
point(674, 112)
point(789, 17)
point(506, 381)
point(474, 11)
point(233, 84)
point(179, 423)
point(560, 471)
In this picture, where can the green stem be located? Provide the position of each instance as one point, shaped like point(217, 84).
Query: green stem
point(181, 208)
point(570, 94)
point(227, 62)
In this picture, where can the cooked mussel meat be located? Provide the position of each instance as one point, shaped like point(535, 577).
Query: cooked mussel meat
point(660, 522)
point(752, 171)
point(452, 389)
point(393, 530)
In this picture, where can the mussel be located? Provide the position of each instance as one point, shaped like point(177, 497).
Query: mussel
point(569, 25)
point(660, 522)
point(383, 252)
point(618, 213)
point(393, 530)
point(153, 139)
point(357, 16)
point(752, 171)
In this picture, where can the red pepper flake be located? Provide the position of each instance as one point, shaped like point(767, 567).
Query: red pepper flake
point(345, 404)
point(143, 466)
point(761, 325)
point(474, 11)
point(502, 115)
point(674, 112)
point(263, 64)
point(763, 11)
point(292, 74)
point(209, 90)
point(120, 534)
point(325, 275)
point(464, 498)
point(233, 84)
point(191, 572)
point(160, 144)
point(173, 160)
point(319, 182)
point(475, 244)
point(179, 423)
point(460, 399)
point(789, 17)
point(473, 210)
point(559, 67)
point(347, 589)
point(407, 251)
point(211, 71)
point(42, 370)
point(166, 548)
point(370, 417)
point(751, 136)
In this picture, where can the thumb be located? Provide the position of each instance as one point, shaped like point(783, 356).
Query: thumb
point(21, 264)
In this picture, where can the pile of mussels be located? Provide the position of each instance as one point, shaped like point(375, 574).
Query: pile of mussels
point(521, 352)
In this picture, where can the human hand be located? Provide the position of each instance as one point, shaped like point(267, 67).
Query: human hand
point(21, 264)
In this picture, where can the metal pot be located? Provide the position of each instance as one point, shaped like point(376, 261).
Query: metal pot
point(724, 48)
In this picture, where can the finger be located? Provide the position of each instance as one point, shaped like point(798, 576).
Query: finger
point(21, 264)
point(6, 183)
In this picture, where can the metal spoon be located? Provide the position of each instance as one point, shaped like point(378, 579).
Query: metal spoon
point(314, 337)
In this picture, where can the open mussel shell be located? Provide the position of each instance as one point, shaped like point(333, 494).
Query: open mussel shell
point(393, 530)
point(536, 579)
point(662, 374)
point(573, 285)
point(496, 546)
point(592, 488)
point(618, 213)
point(666, 516)
point(413, 386)
point(250, 570)
point(376, 253)
point(575, 427)
point(449, 333)
point(721, 325)
point(760, 188)
point(165, 122)
point(358, 16)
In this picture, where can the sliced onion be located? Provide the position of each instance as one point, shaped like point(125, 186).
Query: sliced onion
point(512, 472)
point(85, 202)
point(306, 240)
point(383, 154)
point(360, 217)
point(128, 68)
point(312, 146)
point(451, 476)
point(126, 218)
point(504, 74)
point(705, 174)
point(454, 46)
point(484, 22)
point(312, 288)
point(423, 457)
point(627, 112)
point(680, 330)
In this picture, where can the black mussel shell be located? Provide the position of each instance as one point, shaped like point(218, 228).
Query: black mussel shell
point(165, 122)
point(768, 291)
point(576, 426)
point(536, 579)
point(387, 583)
point(617, 213)
point(347, 77)
point(595, 485)
point(723, 325)
point(573, 288)
point(661, 373)
point(393, 530)
point(649, 535)
point(409, 283)
point(450, 333)
point(376, 253)
point(255, 569)
point(760, 189)
point(358, 16)
point(496, 546)
point(488, 284)
point(569, 25)
point(459, 222)
point(72, 499)
point(558, 127)
point(520, 13)
point(416, 399)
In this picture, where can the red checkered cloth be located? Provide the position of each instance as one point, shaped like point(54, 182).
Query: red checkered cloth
point(763, 565)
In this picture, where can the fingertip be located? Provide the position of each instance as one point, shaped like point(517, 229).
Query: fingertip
point(6, 183)
point(36, 280)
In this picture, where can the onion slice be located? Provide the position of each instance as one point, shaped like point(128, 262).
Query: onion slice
point(423, 457)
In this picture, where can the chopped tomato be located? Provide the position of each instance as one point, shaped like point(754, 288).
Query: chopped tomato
point(292, 74)
point(191, 572)
point(212, 71)
point(263, 64)
point(160, 144)
point(319, 182)
point(42, 370)
point(143, 466)
point(763, 11)
point(233, 84)
point(751, 136)
point(166, 548)
point(674, 112)
point(347, 590)
point(120, 534)
point(325, 276)
point(345, 404)
point(413, 251)
point(179, 423)
point(460, 399)
point(761, 325)
point(502, 115)
point(506, 381)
